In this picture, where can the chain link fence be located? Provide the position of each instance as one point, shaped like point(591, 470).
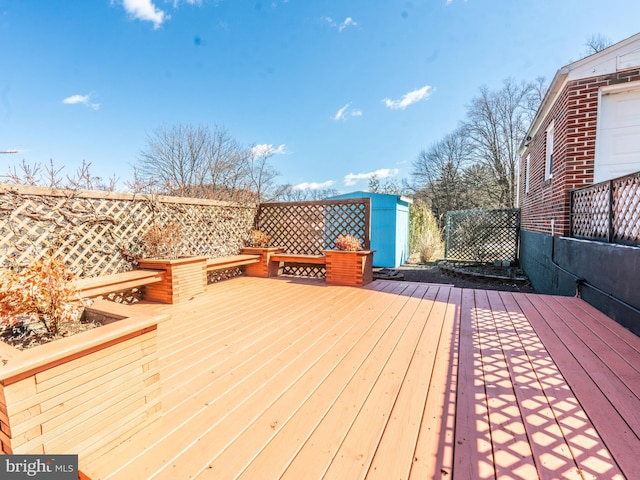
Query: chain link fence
point(482, 236)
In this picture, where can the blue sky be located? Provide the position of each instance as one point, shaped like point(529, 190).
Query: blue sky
point(337, 89)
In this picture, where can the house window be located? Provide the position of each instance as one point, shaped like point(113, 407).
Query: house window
point(548, 164)
point(527, 166)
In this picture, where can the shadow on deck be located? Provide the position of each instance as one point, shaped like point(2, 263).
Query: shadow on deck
point(287, 378)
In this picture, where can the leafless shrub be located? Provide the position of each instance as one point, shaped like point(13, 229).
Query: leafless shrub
point(48, 175)
point(163, 240)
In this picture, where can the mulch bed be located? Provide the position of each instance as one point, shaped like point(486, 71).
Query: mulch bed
point(486, 277)
point(27, 335)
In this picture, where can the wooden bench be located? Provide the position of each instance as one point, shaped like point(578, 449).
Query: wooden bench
point(116, 282)
point(91, 287)
point(299, 258)
point(280, 260)
point(231, 261)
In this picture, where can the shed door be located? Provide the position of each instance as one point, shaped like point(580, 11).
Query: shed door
point(618, 135)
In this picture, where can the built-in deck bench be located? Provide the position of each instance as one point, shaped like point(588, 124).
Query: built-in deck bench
point(297, 258)
point(117, 282)
point(296, 261)
point(163, 291)
point(231, 261)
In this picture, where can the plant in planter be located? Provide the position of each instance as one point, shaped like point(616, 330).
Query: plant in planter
point(349, 264)
point(259, 239)
point(259, 243)
point(97, 376)
point(348, 243)
point(39, 302)
point(163, 248)
point(163, 240)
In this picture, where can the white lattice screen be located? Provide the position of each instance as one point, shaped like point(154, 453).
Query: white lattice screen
point(608, 211)
point(99, 233)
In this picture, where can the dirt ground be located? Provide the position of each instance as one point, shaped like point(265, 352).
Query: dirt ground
point(464, 278)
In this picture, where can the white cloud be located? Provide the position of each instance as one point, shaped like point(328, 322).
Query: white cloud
point(409, 98)
point(265, 149)
point(330, 21)
point(352, 178)
point(313, 185)
point(347, 22)
point(344, 113)
point(176, 3)
point(146, 11)
point(81, 100)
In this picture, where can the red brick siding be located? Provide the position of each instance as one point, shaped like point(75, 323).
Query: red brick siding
point(575, 116)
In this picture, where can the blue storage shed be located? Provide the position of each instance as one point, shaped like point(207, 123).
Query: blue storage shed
point(389, 227)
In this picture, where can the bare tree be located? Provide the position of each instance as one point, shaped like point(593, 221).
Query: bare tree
point(439, 173)
point(50, 175)
point(533, 101)
point(261, 175)
point(227, 165)
point(389, 186)
point(288, 193)
point(176, 156)
point(374, 184)
point(497, 122)
point(596, 43)
point(187, 160)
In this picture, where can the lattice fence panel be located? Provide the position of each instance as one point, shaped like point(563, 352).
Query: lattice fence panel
point(99, 233)
point(608, 211)
point(347, 219)
point(482, 236)
point(304, 271)
point(626, 210)
point(590, 212)
point(311, 227)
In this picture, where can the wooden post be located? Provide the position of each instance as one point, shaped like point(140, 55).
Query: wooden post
point(265, 268)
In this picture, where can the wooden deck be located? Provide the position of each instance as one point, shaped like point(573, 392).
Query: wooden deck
point(284, 378)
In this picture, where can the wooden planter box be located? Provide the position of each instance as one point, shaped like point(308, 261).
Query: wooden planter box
point(183, 278)
point(266, 268)
point(349, 268)
point(82, 394)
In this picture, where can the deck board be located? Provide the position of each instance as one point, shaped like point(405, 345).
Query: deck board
point(610, 432)
point(547, 440)
point(289, 378)
point(574, 425)
point(512, 452)
point(473, 449)
point(433, 453)
point(395, 451)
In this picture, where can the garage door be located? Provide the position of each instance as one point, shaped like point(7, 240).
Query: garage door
point(618, 136)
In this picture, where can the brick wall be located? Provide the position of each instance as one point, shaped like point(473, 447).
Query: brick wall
point(574, 115)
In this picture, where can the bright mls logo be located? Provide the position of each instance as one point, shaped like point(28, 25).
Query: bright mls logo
point(50, 467)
